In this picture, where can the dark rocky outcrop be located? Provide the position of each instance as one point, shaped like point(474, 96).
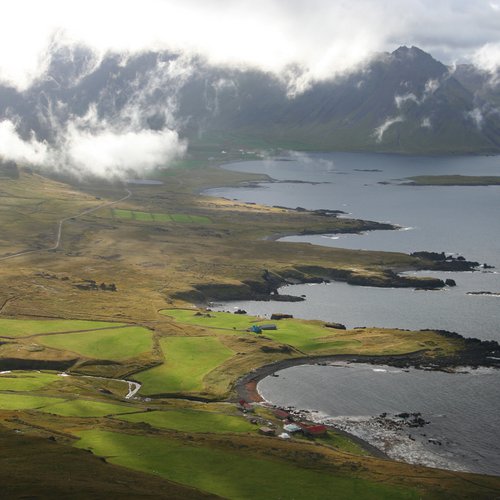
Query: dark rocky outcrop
point(92, 285)
point(439, 261)
point(267, 287)
point(279, 316)
point(335, 326)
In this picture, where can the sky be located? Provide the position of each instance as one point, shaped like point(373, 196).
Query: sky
point(314, 39)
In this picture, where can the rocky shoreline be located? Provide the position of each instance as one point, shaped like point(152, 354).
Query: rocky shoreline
point(477, 353)
point(398, 436)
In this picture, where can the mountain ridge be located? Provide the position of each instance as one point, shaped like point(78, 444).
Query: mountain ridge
point(401, 102)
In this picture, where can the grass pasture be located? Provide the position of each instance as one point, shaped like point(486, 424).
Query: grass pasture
point(159, 217)
point(231, 474)
point(187, 361)
point(87, 408)
point(114, 344)
point(15, 328)
point(63, 407)
point(26, 380)
point(26, 402)
point(187, 420)
point(306, 336)
point(312, 337)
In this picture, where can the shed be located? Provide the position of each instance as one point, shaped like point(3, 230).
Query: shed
point(292, 428)
point(268, 327)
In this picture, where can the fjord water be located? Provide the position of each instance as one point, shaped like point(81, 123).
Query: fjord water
point(456, 219)
point(463, 408)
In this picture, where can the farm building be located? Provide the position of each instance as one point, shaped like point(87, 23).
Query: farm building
point(314, 430)
point(292, 428)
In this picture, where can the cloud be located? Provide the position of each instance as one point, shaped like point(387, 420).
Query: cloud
point(426, 123)
point(477, 117)
point(111, 154)
point(379, 132)
point(321, 37)
point(13, 147)
point(487, 58)
point(97, 152)
point(401, 99)
point(430, 87)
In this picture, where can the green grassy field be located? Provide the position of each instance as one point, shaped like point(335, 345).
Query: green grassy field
point(305, 336)
point(187, 361)
point(63, 407)
point(192, 421)
point(231, 474)
point(26, 381)
point(87, 408)
point(26, 402)
point(159, 217)
point(14, 328)
point(312, 337)
point(115, 344)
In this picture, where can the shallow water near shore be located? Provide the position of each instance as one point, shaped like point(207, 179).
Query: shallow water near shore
point(462, 408)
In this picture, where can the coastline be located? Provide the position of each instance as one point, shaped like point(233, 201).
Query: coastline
point(246, 387)
point(383, 436)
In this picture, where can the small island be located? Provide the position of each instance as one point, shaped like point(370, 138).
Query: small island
point(453, 180)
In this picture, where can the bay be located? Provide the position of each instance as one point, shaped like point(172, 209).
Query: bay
point(456, 219)
point(462, 408)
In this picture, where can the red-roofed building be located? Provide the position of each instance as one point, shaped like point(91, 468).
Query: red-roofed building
point(314, 430)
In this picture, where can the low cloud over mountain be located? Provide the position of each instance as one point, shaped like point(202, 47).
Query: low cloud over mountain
point(121, 114)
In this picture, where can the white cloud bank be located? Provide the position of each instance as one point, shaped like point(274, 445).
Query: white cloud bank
point(322, 37)
point(13, 147)
point(102, 153)
point(113, 154)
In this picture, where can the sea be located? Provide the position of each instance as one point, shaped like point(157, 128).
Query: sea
point(462, 409)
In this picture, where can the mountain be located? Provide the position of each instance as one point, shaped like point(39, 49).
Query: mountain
point(404, 102)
